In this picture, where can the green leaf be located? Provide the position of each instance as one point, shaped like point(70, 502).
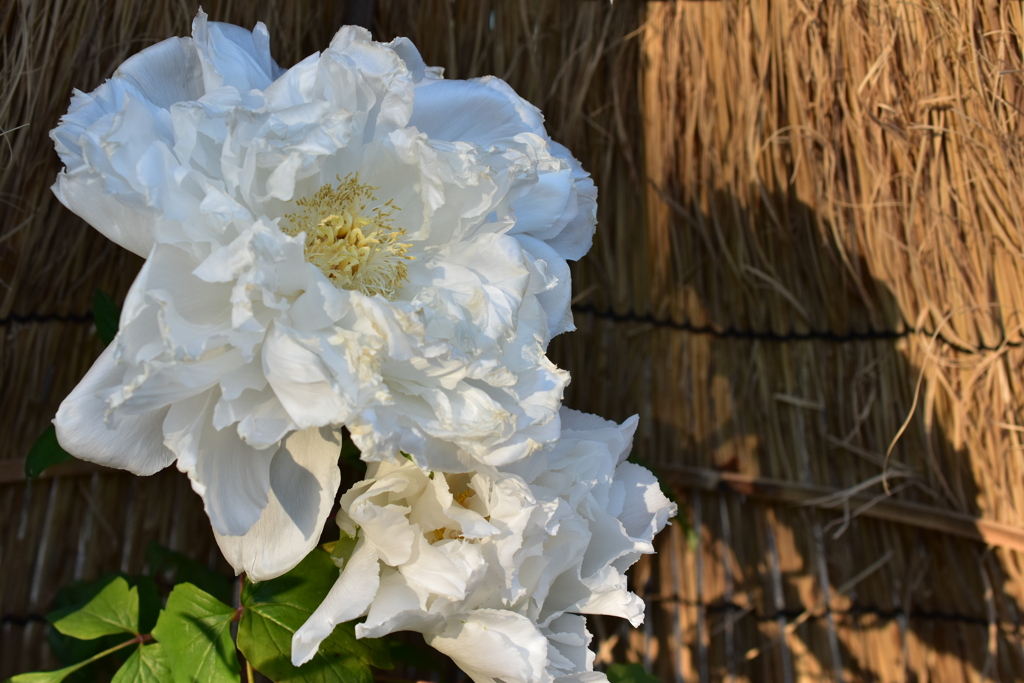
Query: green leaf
point(106, 315)
point(163, 561)
point(275, 609)
point(115, 609)
point(46, 676)
point(76, 670)
point(146, 665)
point(628, 673)
point(342, 549)
point(195, 630)
point(45, 452)
point(70, 650)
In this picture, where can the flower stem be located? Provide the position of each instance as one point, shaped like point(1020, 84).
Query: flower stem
point(139, 639)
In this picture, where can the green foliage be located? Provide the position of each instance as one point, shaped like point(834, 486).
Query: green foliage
point(164, 562)
point(106, 315)
point(69, 650)
point(628, 673)
point(104, 629)
point(195, 630)
point(275, 609)
point(115, 609)
point(46, 676)
point(146, 665)
point(342, 549)
point(45, 452)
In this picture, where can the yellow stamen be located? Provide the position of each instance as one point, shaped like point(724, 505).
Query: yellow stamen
point(443, 533)
point(355, 248)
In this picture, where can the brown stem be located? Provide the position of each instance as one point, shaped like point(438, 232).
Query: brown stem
point(241, 608)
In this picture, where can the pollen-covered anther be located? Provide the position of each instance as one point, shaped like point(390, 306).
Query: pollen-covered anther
point(356, 248)
point(441, 534)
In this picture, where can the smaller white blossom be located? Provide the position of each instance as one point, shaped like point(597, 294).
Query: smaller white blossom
point(495, 566)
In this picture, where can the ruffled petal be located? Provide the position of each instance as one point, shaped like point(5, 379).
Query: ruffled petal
point(135, 443)
point(232, 477)
point(83, 192)
point(645, 509)
point(479, 111)
point(348, 599)
point(398, 607)
point(569, 644)
point(583, 677)
point(165, 73)
point(234, 56)
point(491, 644)
point(304, 479)
point(384, 76)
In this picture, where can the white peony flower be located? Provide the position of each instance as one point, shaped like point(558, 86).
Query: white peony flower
point(351, 241)
point(496, 566)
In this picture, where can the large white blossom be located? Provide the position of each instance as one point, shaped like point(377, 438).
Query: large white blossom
point(495, 567)
point(352, 241)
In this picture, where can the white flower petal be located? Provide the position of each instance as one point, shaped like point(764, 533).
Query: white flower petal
point(486, 111)
point(557, 293)
point(609, 595)
point(84, 193)
point(165, 73)
point(489, 644)
point(398, 607)
point(479, 111)
point(136, 444)
point(445, 569)
point(645, 508)
point(232, 477)
point(384, 73)
point(234, 56)
point(304, 479)
point(348, 599)
point(302, 381)
point(583, 677)
point(569, 640)
point(405, 49)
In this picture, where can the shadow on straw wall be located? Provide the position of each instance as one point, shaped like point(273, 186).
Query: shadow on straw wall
point(779, 572)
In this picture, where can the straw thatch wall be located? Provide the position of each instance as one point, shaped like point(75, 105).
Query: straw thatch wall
point(807, 276)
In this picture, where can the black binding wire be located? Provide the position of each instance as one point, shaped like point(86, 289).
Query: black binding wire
point(790, 336)
point(40, 318)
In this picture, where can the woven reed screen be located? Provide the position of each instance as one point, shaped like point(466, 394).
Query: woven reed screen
point(807, 280)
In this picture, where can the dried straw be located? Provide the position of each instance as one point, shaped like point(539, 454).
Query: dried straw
point(821, 179)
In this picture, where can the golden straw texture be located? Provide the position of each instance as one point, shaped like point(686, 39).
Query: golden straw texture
point(823, 301)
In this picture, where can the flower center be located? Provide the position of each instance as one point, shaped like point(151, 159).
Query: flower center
point(355, 248)
point(437, 535)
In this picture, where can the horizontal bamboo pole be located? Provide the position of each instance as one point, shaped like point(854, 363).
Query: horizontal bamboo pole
point(900, 511)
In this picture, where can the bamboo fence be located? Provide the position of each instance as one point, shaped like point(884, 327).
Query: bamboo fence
point(808, 280)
